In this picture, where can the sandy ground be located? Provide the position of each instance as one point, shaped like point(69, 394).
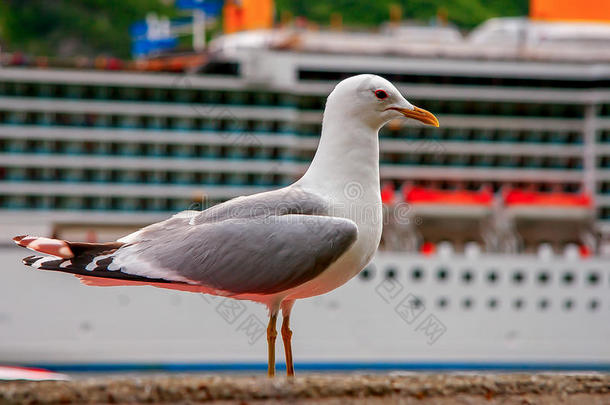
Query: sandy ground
point(421, 389)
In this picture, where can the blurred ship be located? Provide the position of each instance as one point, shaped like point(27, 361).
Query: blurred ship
point(496, 247)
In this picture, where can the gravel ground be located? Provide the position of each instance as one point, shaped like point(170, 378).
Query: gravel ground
point(418, 389)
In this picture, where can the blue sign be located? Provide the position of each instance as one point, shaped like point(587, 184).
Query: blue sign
point(151, 35)
point(138, 29)
point(143, 47)
point(209, 7)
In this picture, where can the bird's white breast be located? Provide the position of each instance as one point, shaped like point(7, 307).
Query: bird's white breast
point(367, 214)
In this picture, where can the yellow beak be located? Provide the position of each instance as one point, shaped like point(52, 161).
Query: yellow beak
point(418, 114)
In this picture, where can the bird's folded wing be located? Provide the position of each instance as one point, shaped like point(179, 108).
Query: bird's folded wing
point(260, 255)
point(260, 244)
point(288, 200)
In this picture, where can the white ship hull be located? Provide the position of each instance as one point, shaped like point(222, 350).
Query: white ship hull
point(50, 319)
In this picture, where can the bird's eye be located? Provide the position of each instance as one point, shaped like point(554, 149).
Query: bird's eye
point(380, 94)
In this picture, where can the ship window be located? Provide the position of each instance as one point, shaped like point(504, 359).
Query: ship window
point(442, 302)
point(368, 272)
point(467, 276)
point(568, 278)
point(492, 303)
point(417, 303)
point(543, 304)
point(544, 277)
point(442, 274)
point(518, 304)
point(593, 305)
point(467, 303)
point(568, 304)
point(390, 273)
point(593, 278)
point(518, 277)
point(492, 277)
point(417, 274)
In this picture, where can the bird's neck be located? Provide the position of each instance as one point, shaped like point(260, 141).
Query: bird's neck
point(347, 160)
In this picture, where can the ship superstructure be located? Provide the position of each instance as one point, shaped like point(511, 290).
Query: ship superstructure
point(77, 143)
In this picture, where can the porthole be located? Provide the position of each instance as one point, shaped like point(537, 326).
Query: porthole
point(568, 304)
point(492, 303)
point(568, 278)
point(417, 303)
point(442, 302)
point(518, 304)
point(390, 273)
point(543, 304)
point(467, 303)
point(368, 273)
point(442, 274)
point(594, 304)
point(544, 277)
point(492, 277)
point(593, 278)
point(417, 274)
point(518, 277)
point(467, 276)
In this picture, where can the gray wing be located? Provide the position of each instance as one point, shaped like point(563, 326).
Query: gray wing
point(289, 200)
point(261, 244)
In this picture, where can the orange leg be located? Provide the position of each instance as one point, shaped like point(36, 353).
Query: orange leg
point(271, 335)
point(287, 337)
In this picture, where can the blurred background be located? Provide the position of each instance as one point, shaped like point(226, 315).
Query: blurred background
point(496, 245)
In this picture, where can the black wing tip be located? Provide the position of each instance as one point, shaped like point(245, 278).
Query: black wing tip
point(28, 261)
point(78, 268)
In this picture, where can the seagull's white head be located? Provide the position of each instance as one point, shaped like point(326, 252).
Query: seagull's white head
point(374, 101)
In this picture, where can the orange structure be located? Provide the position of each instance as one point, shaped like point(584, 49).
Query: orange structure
point(420, 195)
point(570, 10)
point(533, 198)
point(241, 15)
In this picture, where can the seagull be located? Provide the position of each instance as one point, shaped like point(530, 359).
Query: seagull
point(273, 247)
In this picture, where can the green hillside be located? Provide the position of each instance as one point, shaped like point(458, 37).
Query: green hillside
point(93, 27)
point(463, 13)
point(73, 27)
